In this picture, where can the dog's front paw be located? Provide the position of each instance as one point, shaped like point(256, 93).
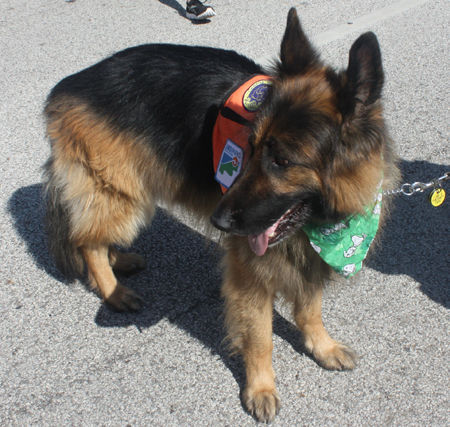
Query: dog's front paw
point(124, 299)
point(264, 405)
point(335, 355)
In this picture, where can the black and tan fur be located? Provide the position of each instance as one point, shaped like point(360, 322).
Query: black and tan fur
point(136, 128)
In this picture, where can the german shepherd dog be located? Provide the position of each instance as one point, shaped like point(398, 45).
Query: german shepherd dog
point(136, 128)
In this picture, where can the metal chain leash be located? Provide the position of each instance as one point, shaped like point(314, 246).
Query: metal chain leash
point(437, 195)
point(418, 187)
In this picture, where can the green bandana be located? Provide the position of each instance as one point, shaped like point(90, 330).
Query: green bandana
point(344, 246)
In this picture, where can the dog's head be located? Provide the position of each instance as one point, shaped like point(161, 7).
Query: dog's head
point(317, 144)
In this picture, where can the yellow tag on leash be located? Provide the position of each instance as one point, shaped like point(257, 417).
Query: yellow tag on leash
point(437, 197)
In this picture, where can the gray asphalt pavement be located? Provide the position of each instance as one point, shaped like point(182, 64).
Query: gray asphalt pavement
point(66, 360)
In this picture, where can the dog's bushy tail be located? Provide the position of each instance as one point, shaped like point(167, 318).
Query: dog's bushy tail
point(57, 223)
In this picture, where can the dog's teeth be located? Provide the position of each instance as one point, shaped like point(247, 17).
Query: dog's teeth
point(272, 234)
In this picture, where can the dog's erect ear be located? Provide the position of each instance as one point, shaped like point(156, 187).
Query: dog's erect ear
point(365, 76)
point(296, 52)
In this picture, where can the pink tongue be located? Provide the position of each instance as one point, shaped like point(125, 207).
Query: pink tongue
point(259, 242)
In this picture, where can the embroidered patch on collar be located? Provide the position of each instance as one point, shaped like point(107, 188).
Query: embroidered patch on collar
point(230, 164)
point(255, 95)
point(344, 246)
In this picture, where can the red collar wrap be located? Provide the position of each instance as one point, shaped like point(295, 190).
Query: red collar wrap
point(232, 128)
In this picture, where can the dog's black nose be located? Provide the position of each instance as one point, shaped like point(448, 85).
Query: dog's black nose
point(222, 220)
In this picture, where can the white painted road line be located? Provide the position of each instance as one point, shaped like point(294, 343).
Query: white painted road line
point(366, 20)
point(357, 24)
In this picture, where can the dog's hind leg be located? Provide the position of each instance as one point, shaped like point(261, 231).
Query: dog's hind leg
point(101, 276)
point(100, 190)
point(109, 218)
point(328, 353)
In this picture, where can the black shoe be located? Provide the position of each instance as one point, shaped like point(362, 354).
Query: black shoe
point(196, 10)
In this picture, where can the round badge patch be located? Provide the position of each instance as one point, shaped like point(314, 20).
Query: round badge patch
point(255, 95)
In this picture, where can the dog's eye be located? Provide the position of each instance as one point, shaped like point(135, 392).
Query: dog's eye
point(280, 161)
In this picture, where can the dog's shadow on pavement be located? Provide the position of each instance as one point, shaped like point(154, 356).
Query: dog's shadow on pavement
point(182, 280)
point(415, 239)
point(182, 284)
